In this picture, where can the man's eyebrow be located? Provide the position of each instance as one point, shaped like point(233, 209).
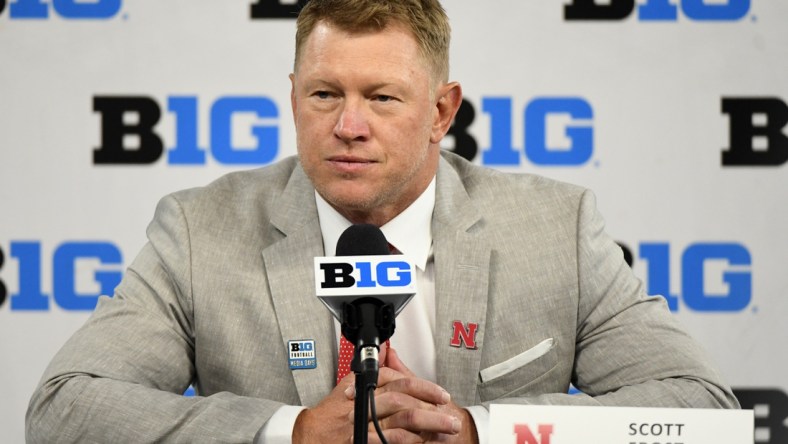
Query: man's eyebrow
point(319, 82)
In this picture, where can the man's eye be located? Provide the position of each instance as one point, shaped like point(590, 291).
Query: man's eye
point(322, 94)
point(383, 98)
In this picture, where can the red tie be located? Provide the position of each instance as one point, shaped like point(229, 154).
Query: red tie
point(346, 349)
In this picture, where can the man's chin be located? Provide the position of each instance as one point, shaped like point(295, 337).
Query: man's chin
point(350, 200)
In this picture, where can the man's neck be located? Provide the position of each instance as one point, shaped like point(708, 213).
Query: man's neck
point(378, 217)
point(409, 231)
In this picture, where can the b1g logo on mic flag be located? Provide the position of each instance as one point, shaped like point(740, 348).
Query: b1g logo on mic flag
point(341, 279)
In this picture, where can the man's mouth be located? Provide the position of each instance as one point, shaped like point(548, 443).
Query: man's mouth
point(350, 164)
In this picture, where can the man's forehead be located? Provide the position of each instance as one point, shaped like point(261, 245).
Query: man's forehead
point(359, 30)
point(324, 28)
point(326, 31)
point(326, 37)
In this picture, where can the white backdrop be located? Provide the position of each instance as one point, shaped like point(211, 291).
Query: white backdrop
point(631, 107)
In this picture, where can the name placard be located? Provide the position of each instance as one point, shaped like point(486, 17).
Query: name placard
point(526, 424)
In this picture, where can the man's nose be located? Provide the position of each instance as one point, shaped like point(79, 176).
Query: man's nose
point(352, 124)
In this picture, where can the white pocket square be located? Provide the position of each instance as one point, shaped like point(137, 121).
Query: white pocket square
point(516, 362)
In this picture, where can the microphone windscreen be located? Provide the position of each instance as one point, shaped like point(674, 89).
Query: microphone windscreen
point(362, 240)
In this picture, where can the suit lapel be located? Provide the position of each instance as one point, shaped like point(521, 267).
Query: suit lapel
point(289, 266)
point(462, 266)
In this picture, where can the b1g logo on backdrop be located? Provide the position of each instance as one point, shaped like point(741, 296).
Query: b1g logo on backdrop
point(67, 9)
point(756, 131)
point(129, 135)
point(70, 263)
point(657, 10)
point(770, 406)
point(715, 276)
point(280, 9)
point(542, 118)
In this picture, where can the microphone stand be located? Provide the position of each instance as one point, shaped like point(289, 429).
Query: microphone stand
point(361, 404)
point(366, 322)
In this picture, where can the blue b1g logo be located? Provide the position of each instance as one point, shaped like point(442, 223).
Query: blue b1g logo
point(68, 9)
point(657, 10)
point(535, 122)
point(67, 259)
point(729, 289)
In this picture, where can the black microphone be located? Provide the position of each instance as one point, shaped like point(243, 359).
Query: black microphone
point(367, 321)
point(362, 240)
point(365, 288)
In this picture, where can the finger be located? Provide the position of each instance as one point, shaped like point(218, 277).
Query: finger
point(393, 402)
point(325, 422)
point(390, 403)
point(350, 392)
point(385, 376)
point(420, 420)
point(395, 436)
point(393, 361)
point(383, 353)
point(348, 380)
point(348, 386)
point(416, 387)
point(388, 374)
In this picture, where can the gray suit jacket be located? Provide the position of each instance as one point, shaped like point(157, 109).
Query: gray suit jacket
point(226, 280)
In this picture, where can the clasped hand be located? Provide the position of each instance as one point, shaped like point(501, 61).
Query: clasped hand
point(409, 410)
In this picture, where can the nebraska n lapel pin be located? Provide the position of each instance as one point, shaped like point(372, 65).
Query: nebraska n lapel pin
point(302, 354)
point(463, 335)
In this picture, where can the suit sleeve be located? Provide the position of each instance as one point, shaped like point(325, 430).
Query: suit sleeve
point(121, 376)
point(629, 349)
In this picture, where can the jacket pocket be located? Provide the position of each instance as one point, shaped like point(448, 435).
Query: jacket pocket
point(514, 375)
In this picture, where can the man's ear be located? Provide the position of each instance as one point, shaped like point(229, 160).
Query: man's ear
point(292, 95)
point(449, 98)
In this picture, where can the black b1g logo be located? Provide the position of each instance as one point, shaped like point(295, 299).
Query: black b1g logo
point(756, 136)
point(771, 411)
point(265, 9)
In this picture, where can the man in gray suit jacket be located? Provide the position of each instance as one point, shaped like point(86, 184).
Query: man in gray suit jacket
point(526, 292)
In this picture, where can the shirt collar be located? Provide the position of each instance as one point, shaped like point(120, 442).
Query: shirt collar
point(410, 231)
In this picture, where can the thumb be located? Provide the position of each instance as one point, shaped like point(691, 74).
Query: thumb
point(395, 363)
point(383, 350)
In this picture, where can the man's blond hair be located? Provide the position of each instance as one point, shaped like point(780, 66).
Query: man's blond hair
point(425, 19)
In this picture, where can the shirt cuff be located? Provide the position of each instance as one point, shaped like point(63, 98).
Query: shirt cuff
point(279, 428)
point(481, 417)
